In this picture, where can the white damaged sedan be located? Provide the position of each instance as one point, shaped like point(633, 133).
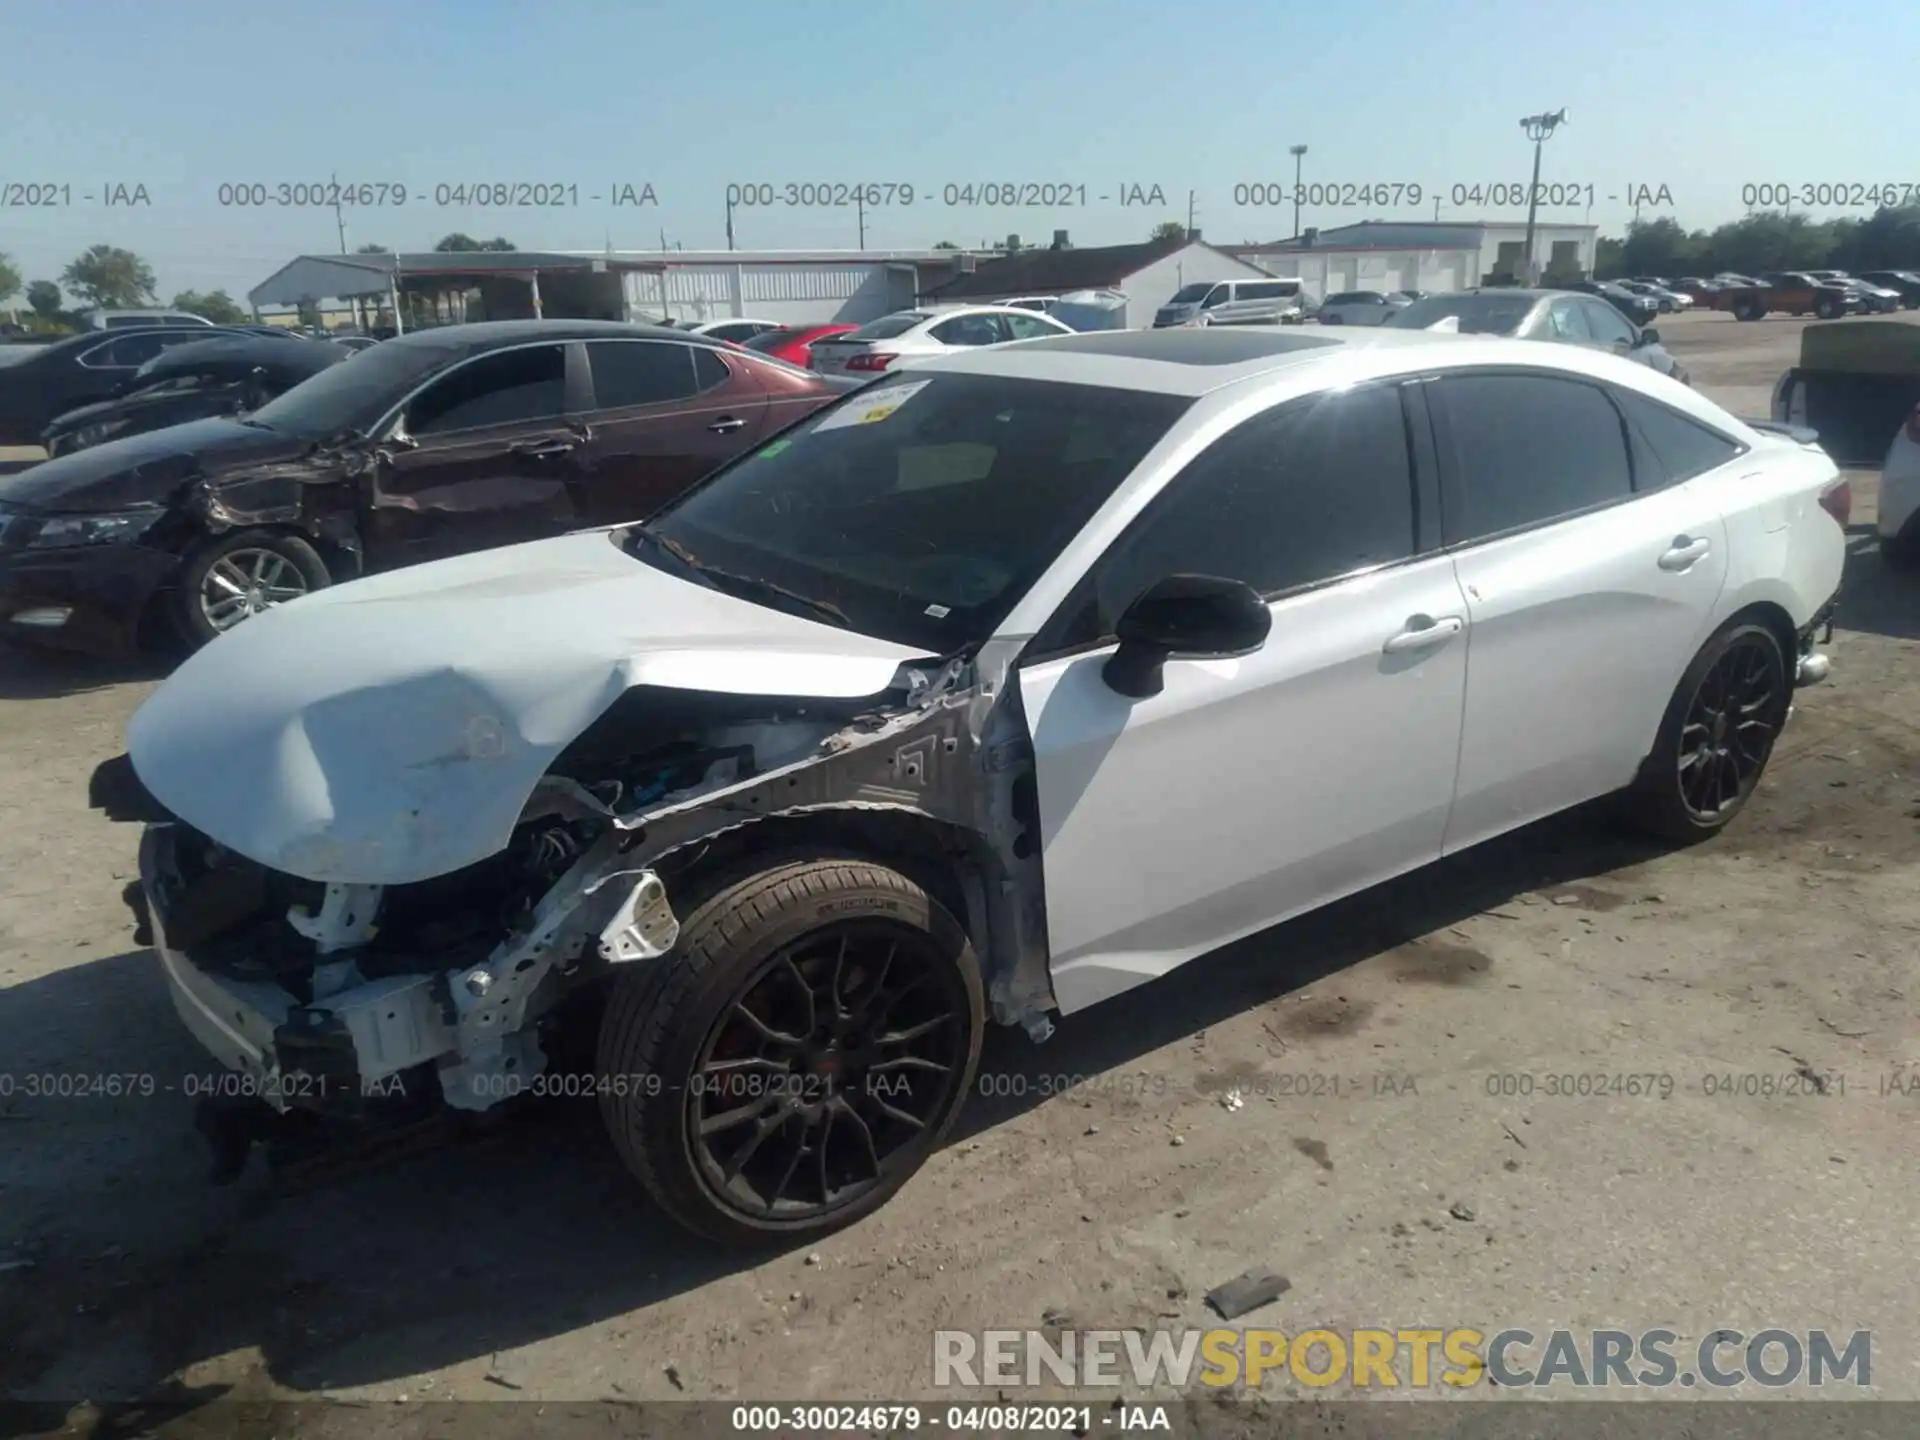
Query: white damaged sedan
point(992, 690)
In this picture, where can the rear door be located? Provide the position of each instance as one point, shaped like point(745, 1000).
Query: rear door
point(487, 454)
point(1590, 582)
point(664, 413)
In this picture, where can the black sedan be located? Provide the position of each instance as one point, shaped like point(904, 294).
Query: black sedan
point(1637, 308)
point(225, 376)
point(1569, 319)
point(428, 445)
point(80, 370)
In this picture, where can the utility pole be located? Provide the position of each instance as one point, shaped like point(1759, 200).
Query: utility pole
point(860, 204)
point(729, 222)
point(1538, 128)
point(1190, 214)
point(1298, 152)
point(339, 220)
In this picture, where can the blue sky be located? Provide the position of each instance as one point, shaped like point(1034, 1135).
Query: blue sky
point(1702, 98)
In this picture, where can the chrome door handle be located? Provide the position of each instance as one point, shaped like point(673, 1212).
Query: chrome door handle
point(1683, 553)
point(544, 449)
point(727, 425)
point(1423, 633)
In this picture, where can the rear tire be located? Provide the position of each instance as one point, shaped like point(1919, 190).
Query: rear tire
point(1749, 308)
point(1828, 309)
point(1716, 737)
point(831, 1011)
point(236, 558)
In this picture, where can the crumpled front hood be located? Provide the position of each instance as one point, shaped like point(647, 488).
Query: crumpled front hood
point(392, 729)
point(144, 469)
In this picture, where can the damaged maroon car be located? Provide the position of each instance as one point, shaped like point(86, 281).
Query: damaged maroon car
point(431, 445)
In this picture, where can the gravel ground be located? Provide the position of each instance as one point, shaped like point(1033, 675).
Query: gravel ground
point(529, 1268)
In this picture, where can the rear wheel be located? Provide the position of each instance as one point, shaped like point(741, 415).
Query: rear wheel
point(1828, 308)
point(233, 577)
point(804, 1049)
point(1749, 307)
point(1716, 737)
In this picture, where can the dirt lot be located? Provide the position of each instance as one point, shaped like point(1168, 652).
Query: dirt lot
point(529, 1268)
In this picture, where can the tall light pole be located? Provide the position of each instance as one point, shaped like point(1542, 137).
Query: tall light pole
point(1538, 128)
point(1297, 151)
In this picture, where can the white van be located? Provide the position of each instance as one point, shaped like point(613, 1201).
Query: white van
point(1235, 302)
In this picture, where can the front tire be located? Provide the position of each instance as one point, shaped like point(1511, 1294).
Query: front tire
point(1826, 309)
point(1716, 736)
point(1747, 308)
point(799, 1055)
point(235, 576)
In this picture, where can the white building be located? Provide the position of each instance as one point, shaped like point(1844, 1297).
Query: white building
point(791, 286)
point(1435, 256)
point(1147, 274)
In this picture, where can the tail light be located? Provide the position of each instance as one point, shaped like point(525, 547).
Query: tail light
point(1837, 501)
point(871, 361)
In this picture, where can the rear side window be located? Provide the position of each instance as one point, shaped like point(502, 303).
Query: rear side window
point(1680, 447)
point(1528, 449)
point(709, 369)
point(1307, 493)
point(640, 372)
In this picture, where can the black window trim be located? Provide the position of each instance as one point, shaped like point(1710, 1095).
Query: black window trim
point(1450, 476)
point(589, 400)
point(1740, 447)
point(1421, 459)
point(573, 382)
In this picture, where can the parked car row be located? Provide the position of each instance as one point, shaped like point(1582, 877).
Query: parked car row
point(1569, 319)
point(792, 781)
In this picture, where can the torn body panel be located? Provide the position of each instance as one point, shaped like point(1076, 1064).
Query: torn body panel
point(320, 963)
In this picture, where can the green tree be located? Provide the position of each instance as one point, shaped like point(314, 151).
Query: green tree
point(9, 278)
point(1659, 247)
point(459, 241)
point(109, 278)
point(374, 250)
point(43, 298)
point(946, 245)
point(216, 305)
point(1169, 230)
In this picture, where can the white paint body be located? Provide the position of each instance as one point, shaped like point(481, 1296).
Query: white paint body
point(919, 342)
point(393, 728)
point(1900, 484)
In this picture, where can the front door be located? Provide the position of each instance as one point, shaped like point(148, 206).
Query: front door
point(486, 455)
point(665, 414)
point(1589, 588)
point(1251, 789)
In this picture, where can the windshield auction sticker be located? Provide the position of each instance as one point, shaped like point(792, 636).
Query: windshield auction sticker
point(872, 411)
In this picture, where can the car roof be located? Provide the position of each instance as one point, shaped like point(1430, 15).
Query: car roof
point(287, 356)
point(485, 335)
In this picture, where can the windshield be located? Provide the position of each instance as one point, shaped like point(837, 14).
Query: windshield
point(1191, 294)
point(352, 397)
point(918, 510)
point(1477, 314)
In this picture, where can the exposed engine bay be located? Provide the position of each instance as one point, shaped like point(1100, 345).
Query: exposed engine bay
point(335, 997)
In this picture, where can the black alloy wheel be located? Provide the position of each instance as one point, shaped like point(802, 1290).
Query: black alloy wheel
point(1730, 728)
point(1717, 735)
point(845, 1049)
point(809, 1041)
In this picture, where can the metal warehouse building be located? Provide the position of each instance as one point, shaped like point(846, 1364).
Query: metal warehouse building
point(1147, 274)
point(1436, 256)
point(791, 286)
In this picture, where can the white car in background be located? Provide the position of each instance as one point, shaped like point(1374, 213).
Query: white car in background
point(910, 336)
point(995, 688)
point(738, 331)
point(1899, 518)
point(1362, 307)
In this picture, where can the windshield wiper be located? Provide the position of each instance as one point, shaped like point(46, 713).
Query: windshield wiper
point(747, 587)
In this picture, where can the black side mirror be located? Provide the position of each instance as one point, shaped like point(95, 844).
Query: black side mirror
point(1196, 617)
point(1648, 336)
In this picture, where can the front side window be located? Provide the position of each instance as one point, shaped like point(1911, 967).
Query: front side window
point(1607, 324)
point(1315, 490)
point(1219, 295)
point(1191, 294)
point(1029, 327)
point(1566, 320)
point(1528, 449)
point(920, 509)
point(506, 388)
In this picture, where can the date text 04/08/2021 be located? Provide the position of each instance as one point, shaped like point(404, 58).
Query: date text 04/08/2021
point(966, 1419)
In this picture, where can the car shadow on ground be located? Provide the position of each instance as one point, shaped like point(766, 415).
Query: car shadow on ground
point(486, 1246)
point(29, 674)
point(1875, 598)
